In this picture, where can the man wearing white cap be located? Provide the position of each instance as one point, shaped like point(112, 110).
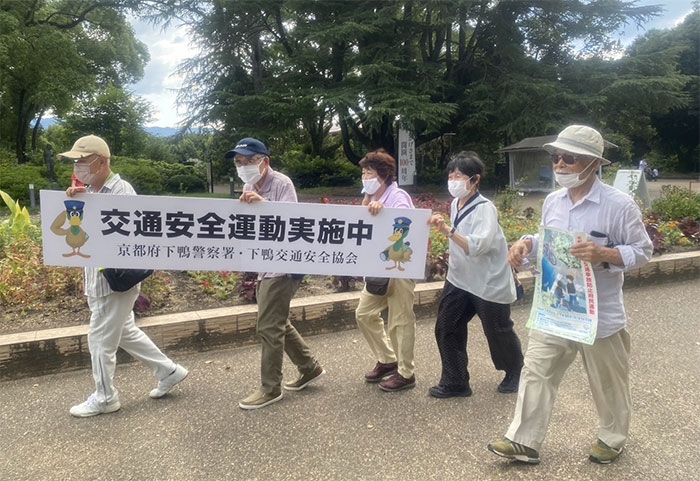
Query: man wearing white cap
point(617, 242)
point(112, 317)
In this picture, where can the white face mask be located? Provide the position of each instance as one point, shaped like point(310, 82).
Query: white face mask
point(249, 174)
point(571, 181)
point(458, 188)
point(371, 186)
point(83, 174)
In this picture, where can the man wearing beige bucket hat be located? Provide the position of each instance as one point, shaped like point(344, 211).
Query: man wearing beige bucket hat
point(617, 241)
point(112, 323)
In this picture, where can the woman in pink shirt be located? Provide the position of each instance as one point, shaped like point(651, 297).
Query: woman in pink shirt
point(393, 351)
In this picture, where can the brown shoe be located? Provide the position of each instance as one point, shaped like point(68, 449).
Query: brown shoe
point(380, 371)
point(397, 383)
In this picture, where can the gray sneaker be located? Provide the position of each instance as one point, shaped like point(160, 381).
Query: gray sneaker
point(93, 407)
point(259, 400)
point(169, 382)
point(305, 379)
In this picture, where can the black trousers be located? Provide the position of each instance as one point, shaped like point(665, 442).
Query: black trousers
point(457, 307)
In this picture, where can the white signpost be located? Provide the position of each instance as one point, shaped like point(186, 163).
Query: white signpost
point(634, 183)
point(407, 158)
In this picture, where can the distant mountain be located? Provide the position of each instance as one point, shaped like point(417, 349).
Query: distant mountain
point(155, 131)
point(161, 131)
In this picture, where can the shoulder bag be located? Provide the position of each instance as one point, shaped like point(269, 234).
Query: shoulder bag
point(121, 280)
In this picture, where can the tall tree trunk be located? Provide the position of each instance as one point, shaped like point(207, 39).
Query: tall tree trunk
point(22, 127)
point(35, 130)
point(256, 47)
point(347, 148)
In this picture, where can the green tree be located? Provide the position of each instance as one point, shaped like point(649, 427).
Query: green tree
point(643, 84)
point(511, 67)
point(115, 115)
point(679, 128)
point(490, 71)
point(53, 52)
point(295, 63)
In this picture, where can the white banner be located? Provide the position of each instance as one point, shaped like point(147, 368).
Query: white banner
point(181, 233)
point(407, 158)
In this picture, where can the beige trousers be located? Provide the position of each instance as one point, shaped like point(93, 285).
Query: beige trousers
point(548, 357)
point(399, 344)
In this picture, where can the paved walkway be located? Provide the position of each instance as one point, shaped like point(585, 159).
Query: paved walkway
point(344, 429)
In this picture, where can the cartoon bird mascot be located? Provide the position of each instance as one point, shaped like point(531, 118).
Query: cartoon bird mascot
point(75, 236)
point(400, 251)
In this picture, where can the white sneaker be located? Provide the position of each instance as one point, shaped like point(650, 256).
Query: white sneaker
point(169, 382)
point(93, 407)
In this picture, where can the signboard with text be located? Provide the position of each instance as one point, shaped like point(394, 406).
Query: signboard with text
point(407, 158)
point(180, 233)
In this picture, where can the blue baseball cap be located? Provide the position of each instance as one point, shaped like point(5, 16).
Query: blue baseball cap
point(248, 147)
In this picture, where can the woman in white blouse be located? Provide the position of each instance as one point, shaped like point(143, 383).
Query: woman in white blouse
point(479, 281)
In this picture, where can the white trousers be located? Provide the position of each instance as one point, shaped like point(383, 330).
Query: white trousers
point(112, 326)
point(548, 357)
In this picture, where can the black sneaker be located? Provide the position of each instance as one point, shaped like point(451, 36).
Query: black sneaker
point(510, 383)
point(443, 392)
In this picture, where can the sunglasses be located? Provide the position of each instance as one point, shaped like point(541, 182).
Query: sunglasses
point(567, 158)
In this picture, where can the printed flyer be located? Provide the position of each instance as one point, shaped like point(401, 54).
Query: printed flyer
point(564, 303)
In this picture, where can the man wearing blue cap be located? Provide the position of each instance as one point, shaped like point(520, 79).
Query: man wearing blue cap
point(111, 313)
point(274, 291)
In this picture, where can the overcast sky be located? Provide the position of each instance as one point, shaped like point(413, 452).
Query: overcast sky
point(168, 48)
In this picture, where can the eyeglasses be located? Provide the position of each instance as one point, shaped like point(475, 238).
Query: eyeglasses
point(245, 161)
point(567, 158)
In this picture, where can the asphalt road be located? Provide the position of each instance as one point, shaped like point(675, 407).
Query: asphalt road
point(345, 429)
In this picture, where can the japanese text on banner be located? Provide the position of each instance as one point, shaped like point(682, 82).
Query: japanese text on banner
point(179, 233)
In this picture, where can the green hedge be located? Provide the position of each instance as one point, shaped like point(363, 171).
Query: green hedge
point(15, 181)
point(157, 178)
point(676, 203)
point(184, 184)
point(318, 172)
